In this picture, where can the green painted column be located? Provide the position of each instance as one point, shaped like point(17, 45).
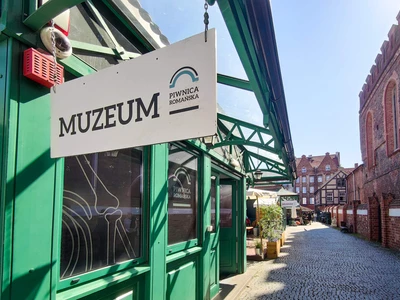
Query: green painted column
point(9, 111)
point(204, 272)
point(33, 186)
point(242, 226)
point(156, 280)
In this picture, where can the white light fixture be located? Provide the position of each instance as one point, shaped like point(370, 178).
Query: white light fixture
point(234, 163)
point(113, 153)
point(63, 48)
point(258, 174)
point(210, 140)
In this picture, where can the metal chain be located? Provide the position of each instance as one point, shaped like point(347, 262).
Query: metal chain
point(206, 21)
point(53, 44)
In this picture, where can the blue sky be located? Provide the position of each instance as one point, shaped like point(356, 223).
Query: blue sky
point(326, 49)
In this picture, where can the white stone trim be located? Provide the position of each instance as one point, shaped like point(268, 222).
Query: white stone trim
point(362, 212)
point(349, 211)
point(394, 212)
point(340, 210)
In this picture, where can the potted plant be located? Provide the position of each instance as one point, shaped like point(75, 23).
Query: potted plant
point(271, 222)
point(258, 248)
point(255, 228)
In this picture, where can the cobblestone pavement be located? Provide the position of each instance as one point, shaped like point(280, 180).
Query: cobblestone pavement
point(319, 262)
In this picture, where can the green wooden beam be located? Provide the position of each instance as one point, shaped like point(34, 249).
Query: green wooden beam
point(92, 48)
point(76, 66)
point(236, 22)
point(234, 82)
point(48, 11)
point(101, 49)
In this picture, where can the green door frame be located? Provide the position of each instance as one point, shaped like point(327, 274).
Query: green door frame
point(229, 241)
point(214, 239)
point(241, 214)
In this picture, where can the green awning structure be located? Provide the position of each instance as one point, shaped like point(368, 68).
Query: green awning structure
point(268, 149)
point(256, 147)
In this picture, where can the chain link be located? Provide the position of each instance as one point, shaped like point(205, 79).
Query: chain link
point(53, 44)
point(206, 20)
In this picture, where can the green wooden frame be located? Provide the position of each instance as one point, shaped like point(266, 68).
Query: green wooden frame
point(174, 248)
point(9, 111)
point(20, 22)
point(112, 269)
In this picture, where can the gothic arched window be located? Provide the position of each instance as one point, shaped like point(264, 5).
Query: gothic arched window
point(391, 105)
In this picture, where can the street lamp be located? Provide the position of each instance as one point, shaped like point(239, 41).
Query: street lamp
point(258, 174)
point(210, 140)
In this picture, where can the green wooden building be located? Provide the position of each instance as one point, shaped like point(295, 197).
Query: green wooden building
point(162, 221)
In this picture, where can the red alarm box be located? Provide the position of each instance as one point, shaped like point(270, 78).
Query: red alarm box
point(39, 67)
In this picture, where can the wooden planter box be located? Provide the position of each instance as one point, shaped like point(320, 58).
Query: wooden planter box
point(273, 249)
point(283, 238)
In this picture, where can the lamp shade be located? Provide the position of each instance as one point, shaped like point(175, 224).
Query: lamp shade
point(258, 174)
point(210, 140)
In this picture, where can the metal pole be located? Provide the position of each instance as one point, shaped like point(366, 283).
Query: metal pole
point(259, 228)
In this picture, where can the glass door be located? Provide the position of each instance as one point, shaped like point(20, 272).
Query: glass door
point(214, 236)
point(228, 226)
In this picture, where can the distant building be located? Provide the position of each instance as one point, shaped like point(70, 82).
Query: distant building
point(332, 192)
point(312, 173)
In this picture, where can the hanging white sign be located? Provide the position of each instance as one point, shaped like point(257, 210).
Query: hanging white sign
point(286, 203)
point(166, 95)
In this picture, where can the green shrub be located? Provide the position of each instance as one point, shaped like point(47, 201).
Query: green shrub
point(271, 219)
point(258, 244)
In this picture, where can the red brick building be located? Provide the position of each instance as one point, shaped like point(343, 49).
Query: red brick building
point(312, 173)
point(377, 184)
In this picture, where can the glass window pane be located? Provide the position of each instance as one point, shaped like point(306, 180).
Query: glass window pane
point(182, 196)
point(225, 206)
point(239, 104)
point(182, 13)
point(213, 199)
point(102, 210)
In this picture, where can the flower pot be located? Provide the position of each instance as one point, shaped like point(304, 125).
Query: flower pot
point(255, 231)
point(258, 251)
point(273, 249)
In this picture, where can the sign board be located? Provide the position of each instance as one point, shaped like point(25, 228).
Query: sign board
point(166, 95)
point(289, 203)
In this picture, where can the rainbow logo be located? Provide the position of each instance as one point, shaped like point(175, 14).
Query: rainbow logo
point(183, 71)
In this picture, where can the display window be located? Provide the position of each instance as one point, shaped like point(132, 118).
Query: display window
point(182, 198)
point(102, 211)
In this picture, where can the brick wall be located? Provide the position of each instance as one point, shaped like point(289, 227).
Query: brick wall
point(362, 226)
point(355, 185)
point(374, 219)
point(394, 233)
point(340, 214)
point(381, 174)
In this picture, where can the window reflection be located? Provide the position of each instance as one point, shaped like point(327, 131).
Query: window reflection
point(102, 210)
point(182, 196)
point(213, 193)
point(226, 206)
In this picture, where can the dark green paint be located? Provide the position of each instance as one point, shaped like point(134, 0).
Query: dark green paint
point(8, 141)
point(32, 182)
point(234, 82)
point(158, 221)
point(34, 190)
point(48, 11)
point(228, 239)
point(182, 283)
point(214, 248)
